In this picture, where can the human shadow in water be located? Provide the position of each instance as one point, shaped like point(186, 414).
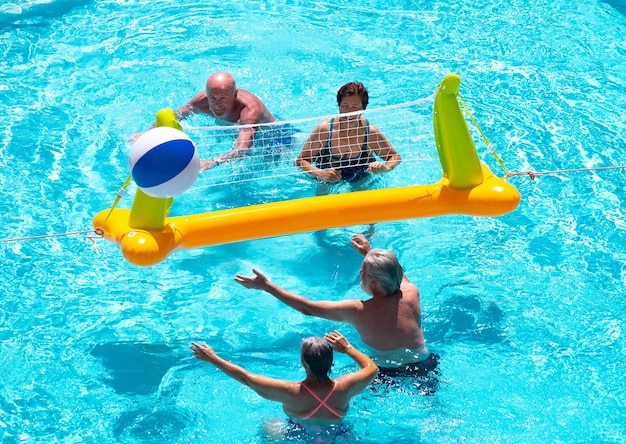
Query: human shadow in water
point(135, 368)
point(467, 318)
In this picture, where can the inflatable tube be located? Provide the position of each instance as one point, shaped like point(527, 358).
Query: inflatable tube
point(467, 187)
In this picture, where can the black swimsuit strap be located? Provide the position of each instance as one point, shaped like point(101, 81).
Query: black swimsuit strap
point(367, 132)
point(330, 136)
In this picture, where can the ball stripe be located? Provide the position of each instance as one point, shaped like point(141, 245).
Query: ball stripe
point(163, 162)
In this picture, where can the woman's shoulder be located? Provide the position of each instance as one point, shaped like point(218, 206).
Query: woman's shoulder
point(372, 128)
point(322, 128)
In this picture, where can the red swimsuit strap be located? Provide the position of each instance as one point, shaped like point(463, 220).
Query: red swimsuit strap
point(322, 402)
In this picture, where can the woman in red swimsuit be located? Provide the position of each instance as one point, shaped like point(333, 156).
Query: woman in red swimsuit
point(318, 400)
point(347, 147)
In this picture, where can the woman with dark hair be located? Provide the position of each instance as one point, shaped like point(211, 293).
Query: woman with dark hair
point(347, 147)
point(318, 400)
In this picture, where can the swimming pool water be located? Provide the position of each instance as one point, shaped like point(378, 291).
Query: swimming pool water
point(525, 310)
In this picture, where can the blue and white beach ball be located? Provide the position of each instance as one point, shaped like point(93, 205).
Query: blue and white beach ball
point(164, 162)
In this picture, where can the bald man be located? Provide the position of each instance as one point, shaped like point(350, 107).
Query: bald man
point(223, 100)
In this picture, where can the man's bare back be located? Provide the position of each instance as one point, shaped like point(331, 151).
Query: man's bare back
point(392, 322)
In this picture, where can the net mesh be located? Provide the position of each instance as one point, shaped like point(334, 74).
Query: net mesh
point(268, 171)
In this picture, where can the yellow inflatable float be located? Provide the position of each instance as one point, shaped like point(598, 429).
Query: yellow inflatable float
point(147, 236)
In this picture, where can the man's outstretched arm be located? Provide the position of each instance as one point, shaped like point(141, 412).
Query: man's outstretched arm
point(340, 311)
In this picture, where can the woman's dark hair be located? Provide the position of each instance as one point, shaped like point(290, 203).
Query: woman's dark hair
point(317, 354)
point(353, 89)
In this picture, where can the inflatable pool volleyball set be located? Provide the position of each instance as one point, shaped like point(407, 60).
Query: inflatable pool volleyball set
point(164, 163)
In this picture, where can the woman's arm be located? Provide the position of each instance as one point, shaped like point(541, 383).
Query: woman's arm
point(381, 146)
point(269, 388)
point(357, 381)
point(311, 151)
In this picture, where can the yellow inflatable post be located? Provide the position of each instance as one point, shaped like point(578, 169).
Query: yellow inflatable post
point(147, 212)
point(457, 153)
point(466, 187)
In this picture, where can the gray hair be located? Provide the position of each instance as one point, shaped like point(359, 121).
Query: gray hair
point(318, 356)
point(383, 266)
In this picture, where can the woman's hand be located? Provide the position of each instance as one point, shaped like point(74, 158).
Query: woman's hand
point(338, 341)
point(378, 167)
point(330, 175)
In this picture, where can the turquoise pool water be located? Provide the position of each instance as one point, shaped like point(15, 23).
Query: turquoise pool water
point(525, 310)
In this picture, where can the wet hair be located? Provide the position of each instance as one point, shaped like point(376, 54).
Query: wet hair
point(353, 89)
point(383, 266)
point(318, 356)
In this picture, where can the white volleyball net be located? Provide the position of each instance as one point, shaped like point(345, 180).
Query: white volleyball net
point(267, 172)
